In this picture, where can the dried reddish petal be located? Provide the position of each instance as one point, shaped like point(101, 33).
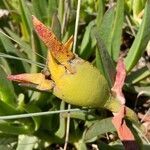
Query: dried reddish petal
point(27, 78)
point(123, 131)
point(59, 51)
point(36, 79)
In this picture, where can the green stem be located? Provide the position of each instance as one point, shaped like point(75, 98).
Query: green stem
point(114, 106)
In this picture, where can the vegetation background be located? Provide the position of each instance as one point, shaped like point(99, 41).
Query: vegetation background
point(122, 28)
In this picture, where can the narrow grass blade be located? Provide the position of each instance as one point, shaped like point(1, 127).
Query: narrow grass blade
point(24, 46)
point(141, 40)
point(38, 114)
point(22, 59)
point(138, 75)
point(26, 19)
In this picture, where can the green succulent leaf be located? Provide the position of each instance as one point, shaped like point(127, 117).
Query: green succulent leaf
point(138, 75)
point(7, 93)
point(98, 128)
point(33, 108)
point(15, 128)
point(104, 61)
point(62, 123)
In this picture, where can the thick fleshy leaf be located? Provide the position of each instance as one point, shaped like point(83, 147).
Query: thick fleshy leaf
point(6, 109)
point(15, 128)
point(118, 120)
point(111, 29)
point(98, 128)
point(104, 60)
point(31, 108)
point(62, 123)
point(7, 93)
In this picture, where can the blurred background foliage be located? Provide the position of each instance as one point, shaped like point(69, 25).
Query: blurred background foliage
point(121, 28)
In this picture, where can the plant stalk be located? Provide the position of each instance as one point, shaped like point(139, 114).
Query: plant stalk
point(114, 106)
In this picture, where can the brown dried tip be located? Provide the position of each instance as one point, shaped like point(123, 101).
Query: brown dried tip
point(59, 51)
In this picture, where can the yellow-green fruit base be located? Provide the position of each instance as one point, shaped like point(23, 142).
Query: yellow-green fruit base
point(86, 87)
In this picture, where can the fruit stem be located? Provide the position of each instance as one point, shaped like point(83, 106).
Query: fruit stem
point(114, 106)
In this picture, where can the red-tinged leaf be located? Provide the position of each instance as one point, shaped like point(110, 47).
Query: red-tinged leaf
point(123, 131)
point(118, 121)
point(98, 128)
point(119, 81)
